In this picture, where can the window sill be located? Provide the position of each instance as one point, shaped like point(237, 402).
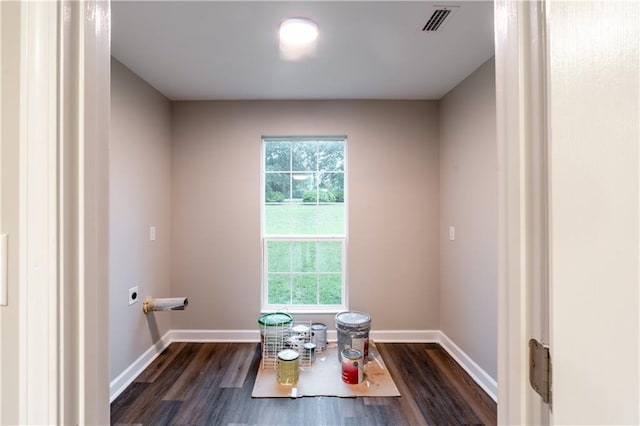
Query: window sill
point(305, 310)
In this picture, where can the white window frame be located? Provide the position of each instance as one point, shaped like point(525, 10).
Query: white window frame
point(343, 239)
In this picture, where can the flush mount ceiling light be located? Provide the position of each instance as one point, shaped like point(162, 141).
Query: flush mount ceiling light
point(298, 31)
point(298, 38)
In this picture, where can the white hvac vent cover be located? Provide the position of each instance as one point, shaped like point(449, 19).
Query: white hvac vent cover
point(440, 15)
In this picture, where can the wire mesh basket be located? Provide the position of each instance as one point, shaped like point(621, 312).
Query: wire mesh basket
point(294, 336)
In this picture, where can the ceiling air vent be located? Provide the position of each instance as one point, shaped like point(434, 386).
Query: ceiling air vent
point(440, 15)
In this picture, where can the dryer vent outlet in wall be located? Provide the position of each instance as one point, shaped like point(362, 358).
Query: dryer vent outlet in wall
point(440, 16)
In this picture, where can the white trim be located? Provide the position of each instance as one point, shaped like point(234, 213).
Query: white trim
point(405, 336)
point(38, 258)
point(83, 59)
point(520, 44)
point(481, 377)
point(240, 336)
point(382, 336)
point(124, 379)
point(265, 306)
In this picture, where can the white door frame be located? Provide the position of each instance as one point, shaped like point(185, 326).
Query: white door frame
point(65, 72)
point(37, 230)
point(73, 210)
point(523, 238)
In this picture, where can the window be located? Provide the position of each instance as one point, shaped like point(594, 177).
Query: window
point(304, 225)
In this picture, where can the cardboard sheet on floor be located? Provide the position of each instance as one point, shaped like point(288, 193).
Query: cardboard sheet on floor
point(324, 378)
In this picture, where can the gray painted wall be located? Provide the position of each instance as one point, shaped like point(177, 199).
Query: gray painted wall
point(139, 196)
point(469, 201)
point(393, 261)
point(415, 167)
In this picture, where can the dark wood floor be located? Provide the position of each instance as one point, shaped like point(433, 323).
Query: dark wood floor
point(211, 384)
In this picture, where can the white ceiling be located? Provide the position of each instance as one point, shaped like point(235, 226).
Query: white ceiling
point(366, 49)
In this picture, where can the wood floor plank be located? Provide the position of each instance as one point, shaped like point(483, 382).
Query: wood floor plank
point(409, 406)
point(157, 367)
point(484, 407)
point(375, 400)
point(236, 373)
point(192, 390)
point(143, 406)
point(126, 399)
point(184, 385)
point(196, 407)
point(164, 413)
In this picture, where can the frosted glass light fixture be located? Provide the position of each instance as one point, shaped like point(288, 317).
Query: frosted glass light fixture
point(298, 38)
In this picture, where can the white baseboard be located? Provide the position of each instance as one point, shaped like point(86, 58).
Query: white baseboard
point(484, 380)
point(125, 378)
point(239, 336)
point(405, 336)
point(382, 336)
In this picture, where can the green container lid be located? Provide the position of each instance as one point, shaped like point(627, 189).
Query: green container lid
point(275, 319)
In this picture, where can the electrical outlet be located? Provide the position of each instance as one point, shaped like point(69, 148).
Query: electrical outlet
point(452, 233)
point(133, 295)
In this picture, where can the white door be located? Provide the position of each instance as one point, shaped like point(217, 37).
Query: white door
point(594, 124)
point(568, 92)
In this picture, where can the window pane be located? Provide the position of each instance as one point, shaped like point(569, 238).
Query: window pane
point(276, 188)
point(329, 256)
point(304, 219)
point(304, 256)
point(277, 156)
point(279, 289)
point(277, 219)
point(332, 184)
point(305, 290)
point(331, 155)
point(330, 289)
point(304, 187)
point(304, 156)
point(279, 256)
point(304, 201)
point(330, 219)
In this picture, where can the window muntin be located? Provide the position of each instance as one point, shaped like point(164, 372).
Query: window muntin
point(304, 224)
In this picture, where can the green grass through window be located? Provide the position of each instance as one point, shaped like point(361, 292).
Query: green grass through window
point(304, 219)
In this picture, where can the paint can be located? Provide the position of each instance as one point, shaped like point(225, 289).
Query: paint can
point(353, 332)
point(288, 363)
point(274, 327)
point(319, 336)
point(310, 351)
point(352, 366)
point(300, 331)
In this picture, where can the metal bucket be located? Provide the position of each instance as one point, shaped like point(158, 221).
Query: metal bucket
point(310, 351)
point(319, 336)
point(353, 332)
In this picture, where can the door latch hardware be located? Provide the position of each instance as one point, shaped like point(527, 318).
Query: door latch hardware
point(540, 369)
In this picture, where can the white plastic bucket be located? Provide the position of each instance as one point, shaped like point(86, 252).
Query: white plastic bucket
point(353, 332)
